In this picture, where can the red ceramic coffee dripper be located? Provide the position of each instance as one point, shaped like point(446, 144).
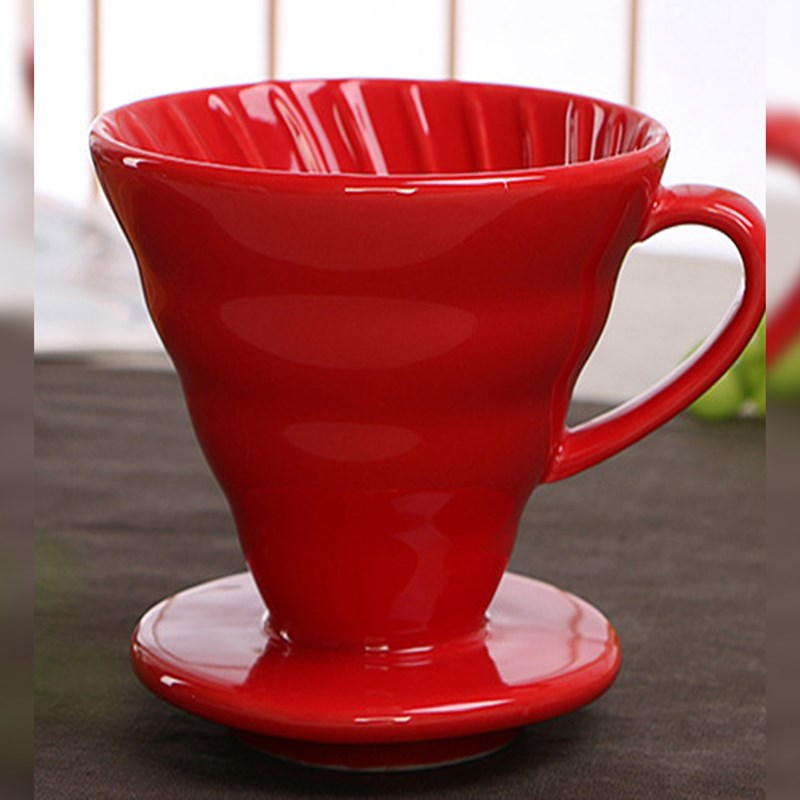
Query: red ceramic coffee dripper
point(783, 324)
point(378, 296)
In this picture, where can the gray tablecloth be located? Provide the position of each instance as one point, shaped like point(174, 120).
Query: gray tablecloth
point(667, 539)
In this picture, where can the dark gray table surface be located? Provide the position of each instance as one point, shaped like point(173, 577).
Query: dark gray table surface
point(667, 539)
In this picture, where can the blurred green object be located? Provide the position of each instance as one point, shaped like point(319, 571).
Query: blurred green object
point(723, 400)
point(783, 380)
point(742, 390)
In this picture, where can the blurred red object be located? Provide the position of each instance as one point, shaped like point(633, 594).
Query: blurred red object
point(783, 136)
point(783, 143)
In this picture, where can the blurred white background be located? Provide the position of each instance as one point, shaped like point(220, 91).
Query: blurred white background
point(699, 66)
point(13, 19)
point(783, 183)
point(16, 278)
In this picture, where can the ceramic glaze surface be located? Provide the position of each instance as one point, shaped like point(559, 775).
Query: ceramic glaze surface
point(378, 296)
point(543, 652)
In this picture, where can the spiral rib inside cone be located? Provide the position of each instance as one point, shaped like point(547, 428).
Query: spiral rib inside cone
point(381, 127)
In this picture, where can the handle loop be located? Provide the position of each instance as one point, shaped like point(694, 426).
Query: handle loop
point(607, 434)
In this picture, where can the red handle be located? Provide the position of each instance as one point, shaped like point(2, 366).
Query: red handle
point(611, 432)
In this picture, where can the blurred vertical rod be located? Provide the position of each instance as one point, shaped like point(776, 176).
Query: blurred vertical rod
point(96, 83)
point(272, 38)
point(633, 52)
point(452, 35)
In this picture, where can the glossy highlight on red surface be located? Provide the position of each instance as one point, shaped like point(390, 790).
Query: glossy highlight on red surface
point(542, 652)
point(378, 296)
point(381, 128)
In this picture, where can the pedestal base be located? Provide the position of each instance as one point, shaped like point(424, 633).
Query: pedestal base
point(544, 652)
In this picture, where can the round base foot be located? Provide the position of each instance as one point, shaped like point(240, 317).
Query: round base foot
point(391, 757)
